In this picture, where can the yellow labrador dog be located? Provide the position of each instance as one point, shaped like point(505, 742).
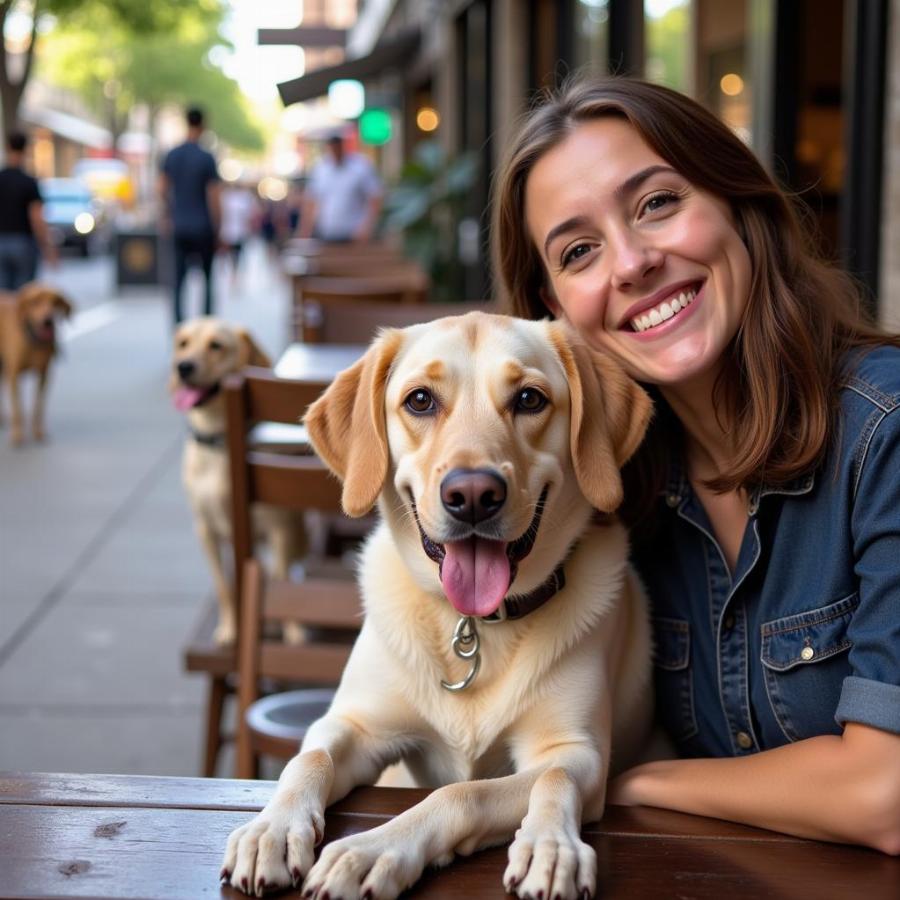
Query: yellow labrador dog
point(505, 652)
point(28, 321)
point(206, 350)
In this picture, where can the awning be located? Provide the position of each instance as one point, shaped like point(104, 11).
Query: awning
point(391, 52)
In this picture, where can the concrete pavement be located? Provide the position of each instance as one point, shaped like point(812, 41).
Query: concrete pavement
point(101, 576)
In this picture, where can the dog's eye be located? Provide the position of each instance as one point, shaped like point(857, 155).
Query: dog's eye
point(420, 402)
point(182, 343)
point(530, 400)
point(215, 345)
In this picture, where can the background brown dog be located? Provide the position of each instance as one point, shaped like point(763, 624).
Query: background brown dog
point(28, 343)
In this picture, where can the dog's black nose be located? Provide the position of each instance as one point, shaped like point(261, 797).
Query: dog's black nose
point(48, 322)
point(186, 368)
point(473, 495)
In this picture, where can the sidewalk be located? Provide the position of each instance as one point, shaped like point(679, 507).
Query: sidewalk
point(101, 576)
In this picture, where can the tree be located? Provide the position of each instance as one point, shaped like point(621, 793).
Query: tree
point(143, 17)
point(114, 69)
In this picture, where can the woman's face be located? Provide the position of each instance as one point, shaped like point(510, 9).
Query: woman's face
point(646, 266)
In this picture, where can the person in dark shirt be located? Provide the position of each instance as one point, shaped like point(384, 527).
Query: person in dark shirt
point(189, 186)
point(23, 231)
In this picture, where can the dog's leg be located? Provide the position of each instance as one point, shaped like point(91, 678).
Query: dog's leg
point(226, 630)
point(461, 818)
point(15, 409)
point(275, 850)
point(37, 419)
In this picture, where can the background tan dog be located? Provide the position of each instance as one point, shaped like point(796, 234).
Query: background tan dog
point(28, 344)
point(488, 442)
point(206, 350)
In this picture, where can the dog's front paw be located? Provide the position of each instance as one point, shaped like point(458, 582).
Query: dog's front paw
point(16, 438)
point(550, 862)
point(273, 851)
point(371, 866)
point(39, 434)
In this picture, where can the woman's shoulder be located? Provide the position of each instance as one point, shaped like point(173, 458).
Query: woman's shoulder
point(872, 378)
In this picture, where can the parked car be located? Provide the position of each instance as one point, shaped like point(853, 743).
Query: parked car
point(70, 212)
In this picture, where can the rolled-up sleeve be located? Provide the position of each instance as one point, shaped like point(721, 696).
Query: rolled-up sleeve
point(871, 694)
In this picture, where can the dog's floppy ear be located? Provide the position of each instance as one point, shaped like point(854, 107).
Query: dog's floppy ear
point(63, 305)
point(251, 353)
point(609, 416)
point(25, 295)
point(347, 425)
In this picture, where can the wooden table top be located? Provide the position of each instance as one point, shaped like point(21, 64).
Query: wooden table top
point(317, 362)
point(117, 836)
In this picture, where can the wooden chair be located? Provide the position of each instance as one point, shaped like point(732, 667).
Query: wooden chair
point(357, 321)
point(327, 607)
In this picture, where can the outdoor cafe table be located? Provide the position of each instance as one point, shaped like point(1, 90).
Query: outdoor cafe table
point(317, 362)
point(121, 836)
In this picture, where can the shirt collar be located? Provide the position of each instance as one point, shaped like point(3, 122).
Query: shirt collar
point(677, 487)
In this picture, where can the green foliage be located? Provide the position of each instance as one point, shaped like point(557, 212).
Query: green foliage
point(668, 41)
point(115, 60)
point(426, 205)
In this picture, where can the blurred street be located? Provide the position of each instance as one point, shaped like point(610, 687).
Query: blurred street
point(102, 576)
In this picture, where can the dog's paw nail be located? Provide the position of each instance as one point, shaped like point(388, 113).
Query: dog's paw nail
point(224, 875)
point(244, 886)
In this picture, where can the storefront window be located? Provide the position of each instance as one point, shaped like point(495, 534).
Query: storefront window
point(591, 34)
point(668, 41)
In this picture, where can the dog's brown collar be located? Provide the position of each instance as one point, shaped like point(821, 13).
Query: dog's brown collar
point(517, 606)
point(209, 440)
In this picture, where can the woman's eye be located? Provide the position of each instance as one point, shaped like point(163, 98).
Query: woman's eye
point(575, 253)
point(530, 400)
point(658, 201)
point(419, 402)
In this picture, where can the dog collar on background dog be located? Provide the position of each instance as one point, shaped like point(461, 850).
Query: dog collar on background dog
point(465, 642)
point(209, 440)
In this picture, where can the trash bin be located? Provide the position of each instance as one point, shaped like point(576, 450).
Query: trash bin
point(140, 258)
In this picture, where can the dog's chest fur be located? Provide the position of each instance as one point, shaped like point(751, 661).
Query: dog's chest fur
point(468, 734)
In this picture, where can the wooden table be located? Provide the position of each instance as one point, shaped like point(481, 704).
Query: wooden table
point(109, 836)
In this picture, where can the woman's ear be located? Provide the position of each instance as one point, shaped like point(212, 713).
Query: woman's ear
point(548, 298)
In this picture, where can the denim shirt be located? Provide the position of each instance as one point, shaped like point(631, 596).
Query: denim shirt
point(805, 635)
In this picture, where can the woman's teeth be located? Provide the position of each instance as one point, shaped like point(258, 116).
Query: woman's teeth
point(668, 308)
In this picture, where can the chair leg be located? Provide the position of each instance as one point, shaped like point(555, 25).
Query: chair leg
point(218, 690)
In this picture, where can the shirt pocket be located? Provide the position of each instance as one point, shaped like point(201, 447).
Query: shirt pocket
point(673, 677)
point(805, 662)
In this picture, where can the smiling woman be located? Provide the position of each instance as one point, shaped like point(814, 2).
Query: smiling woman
point(763, 502)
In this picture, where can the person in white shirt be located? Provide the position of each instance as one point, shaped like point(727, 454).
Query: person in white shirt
point(238, 211)
point(343, 197)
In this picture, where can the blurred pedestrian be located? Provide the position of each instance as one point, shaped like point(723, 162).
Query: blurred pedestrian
point(343, 196)
point(23, 232)
point(190, 188)
point(239, 209)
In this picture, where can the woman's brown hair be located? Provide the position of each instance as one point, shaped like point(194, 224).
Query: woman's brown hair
point(778, 389)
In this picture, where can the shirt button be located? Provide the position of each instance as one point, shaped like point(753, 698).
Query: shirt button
point(728, 623)
point(745, 742)
point(673, 500)
point(807, 653)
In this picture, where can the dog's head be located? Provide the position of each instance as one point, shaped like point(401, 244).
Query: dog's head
point(206, 350)
point(489, 440)
point(39, 306)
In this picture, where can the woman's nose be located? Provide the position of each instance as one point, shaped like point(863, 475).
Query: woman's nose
point(635, 259)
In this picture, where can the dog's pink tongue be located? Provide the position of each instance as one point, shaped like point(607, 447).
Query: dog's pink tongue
point(475, 575)
point(186, 398)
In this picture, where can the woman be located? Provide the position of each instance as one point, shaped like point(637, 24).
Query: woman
point(765, 501)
